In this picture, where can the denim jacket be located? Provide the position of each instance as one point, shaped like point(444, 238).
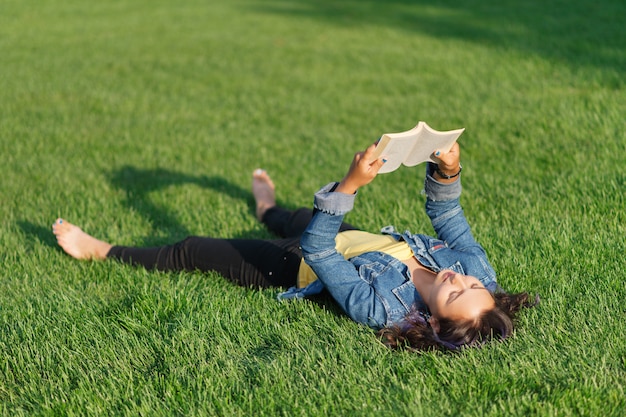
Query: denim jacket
point(375, 288)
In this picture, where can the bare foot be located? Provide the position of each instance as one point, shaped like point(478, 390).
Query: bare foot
point(263, 191)
point(77, 243)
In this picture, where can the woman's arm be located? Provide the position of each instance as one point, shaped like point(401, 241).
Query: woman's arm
point(340, 277)
point(443, 191)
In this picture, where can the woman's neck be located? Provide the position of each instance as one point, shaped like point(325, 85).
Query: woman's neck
point(422, 277)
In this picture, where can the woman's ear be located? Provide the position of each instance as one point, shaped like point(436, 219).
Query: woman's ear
point(434, 324)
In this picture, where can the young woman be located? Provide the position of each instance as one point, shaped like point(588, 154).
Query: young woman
point(418, 291)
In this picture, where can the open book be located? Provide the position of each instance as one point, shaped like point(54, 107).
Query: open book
point(413, 146)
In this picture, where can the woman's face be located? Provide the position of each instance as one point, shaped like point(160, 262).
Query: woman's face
point(458, 297)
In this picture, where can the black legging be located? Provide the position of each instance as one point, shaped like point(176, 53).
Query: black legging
point(246, 262)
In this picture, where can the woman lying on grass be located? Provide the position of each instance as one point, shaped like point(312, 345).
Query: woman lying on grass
point(419, 292)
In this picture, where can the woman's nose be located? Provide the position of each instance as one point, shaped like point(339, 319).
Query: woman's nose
point(457, 279)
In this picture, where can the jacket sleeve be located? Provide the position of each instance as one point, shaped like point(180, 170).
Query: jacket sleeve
point(355, 296)
point(446, 215)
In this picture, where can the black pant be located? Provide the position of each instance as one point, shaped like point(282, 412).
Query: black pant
point(246, 262)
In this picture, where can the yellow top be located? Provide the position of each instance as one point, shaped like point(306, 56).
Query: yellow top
point(355, 242)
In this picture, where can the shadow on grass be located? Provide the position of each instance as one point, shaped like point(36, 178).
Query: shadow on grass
point(578, 32)
point(40, 234)
point(139, 184)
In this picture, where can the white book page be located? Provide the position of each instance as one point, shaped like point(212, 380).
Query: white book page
point(395, 152)
point(413, 146)
point(430, 141)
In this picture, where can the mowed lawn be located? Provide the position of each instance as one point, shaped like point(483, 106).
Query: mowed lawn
point(141, 121)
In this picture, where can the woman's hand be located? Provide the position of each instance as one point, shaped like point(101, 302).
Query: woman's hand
point(363, 170)
point(448, 163)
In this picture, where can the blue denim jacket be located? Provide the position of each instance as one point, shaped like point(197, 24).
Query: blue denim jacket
point(375, 288)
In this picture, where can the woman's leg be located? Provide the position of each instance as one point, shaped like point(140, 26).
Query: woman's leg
point(247, 262)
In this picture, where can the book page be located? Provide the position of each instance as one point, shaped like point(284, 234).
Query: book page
point(413, 146)
point(428, 142)
point(394, 151)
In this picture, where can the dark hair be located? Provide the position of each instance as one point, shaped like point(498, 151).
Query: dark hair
point(416, 334)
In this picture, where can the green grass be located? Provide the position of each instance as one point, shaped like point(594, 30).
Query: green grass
point(142, 120)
